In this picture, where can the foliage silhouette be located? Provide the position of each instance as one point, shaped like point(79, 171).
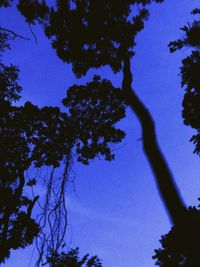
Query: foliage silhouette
point(94, 109)
point(5, 3)
point(71, 259)
point(17, 228)
point(180, 247)
point(190, 76)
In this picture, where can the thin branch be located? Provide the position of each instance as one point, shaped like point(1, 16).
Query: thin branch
point(31, 30)
point(14, 33)
point(115, 149)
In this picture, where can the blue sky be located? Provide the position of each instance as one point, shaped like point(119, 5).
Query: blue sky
point(114, 207)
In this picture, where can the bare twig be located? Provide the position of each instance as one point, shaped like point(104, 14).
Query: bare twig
point(31, 30)
point(15, 35)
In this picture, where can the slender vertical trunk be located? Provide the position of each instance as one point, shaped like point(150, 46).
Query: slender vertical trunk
point(165, 181)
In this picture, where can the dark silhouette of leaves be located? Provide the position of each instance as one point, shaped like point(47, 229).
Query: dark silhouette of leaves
point(95, 33)
point(9, 87)
point(5, 3)
point(94, 110)
point(33, 10)
point(190, 70)
point(3, 42)
point(72, 259)
point(180, 247)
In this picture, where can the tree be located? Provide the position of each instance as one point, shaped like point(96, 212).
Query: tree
point(105, 47)
point(111, 43)
point(37, 137)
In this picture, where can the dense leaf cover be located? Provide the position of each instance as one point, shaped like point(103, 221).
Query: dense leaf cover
point(17, 228)
point(95, 33)
point(180, 247)
point(89, 33)
point(190, 74)
point(94, 109)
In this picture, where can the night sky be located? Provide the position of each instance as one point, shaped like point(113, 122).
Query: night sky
point(114, 208)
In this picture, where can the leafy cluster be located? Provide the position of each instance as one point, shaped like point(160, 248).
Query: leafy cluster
point(9, 88)
point(95, 33)
point(5, 3)
point(81, 32)
point(89, 33)
point(180, 247)
point(72, 259)
point(3, 42)
point(17, 228)
point(33, 10)
point(94, 110)
point(190, 71)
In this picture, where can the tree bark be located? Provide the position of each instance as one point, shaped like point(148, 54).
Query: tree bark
point(164, 178)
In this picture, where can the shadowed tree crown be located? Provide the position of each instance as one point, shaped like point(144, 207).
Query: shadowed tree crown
point(89, 33)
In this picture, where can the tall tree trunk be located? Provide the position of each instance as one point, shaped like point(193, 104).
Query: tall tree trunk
point(165, 181)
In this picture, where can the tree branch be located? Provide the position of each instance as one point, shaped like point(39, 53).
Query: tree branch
point(31, 30)
point(164, 178)
point(15, 35)
point(30, 207)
